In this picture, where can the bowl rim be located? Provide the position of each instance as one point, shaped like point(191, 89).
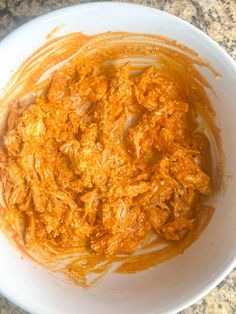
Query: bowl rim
point(231, 262)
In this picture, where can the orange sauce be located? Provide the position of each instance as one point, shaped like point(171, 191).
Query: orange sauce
point(174, 62)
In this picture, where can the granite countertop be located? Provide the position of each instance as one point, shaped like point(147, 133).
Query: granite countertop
point(217, 18)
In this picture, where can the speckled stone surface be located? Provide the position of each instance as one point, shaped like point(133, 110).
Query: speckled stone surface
point(217, 18)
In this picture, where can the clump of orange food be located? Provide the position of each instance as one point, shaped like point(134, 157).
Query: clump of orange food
point(100, 162)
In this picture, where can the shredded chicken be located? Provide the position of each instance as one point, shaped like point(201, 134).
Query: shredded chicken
point(104, 159)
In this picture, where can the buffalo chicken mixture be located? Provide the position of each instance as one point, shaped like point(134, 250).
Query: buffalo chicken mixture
point(103, 159)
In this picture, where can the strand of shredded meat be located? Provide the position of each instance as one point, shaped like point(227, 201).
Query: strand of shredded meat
point(102, 160)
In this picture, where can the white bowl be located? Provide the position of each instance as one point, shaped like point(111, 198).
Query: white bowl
point(174, 285)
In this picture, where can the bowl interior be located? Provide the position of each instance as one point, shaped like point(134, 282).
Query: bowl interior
point(171, 286)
